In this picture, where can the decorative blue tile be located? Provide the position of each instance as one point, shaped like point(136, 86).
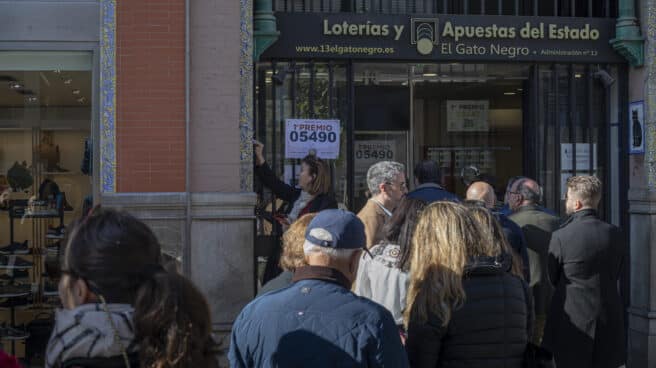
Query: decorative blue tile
point(108, 97)
point(246, 97)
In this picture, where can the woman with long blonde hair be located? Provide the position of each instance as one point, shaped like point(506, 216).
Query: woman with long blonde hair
point(465, 307)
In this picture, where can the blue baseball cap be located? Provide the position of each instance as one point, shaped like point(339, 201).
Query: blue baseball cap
point(336, 229)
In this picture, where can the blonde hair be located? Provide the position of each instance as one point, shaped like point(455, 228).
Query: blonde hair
point(445, 237)
point(292, 244)
point(495, 241)
point(321, 171)
point(587, 189)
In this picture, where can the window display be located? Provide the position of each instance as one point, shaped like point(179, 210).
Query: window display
point(45, 181)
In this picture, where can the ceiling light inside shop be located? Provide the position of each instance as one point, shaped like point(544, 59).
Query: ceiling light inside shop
point(31, 99)
point(267, 80)
point(76, 92)
point(520, 89)
point(15, 85)
point(509, 93)
point(577, 75)
point(68, 81)
point(430, 74)
point(81, 100)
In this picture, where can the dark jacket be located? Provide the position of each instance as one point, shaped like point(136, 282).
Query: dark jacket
point(490, 330)
point(585, 325)
point(315, 322)
point(431, 192)
point(515, 238)
point(279, 282)
point(537, 227)
point(290, 194)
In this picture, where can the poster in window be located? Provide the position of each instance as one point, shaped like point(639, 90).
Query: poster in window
point(637, 127)
point(467, 115)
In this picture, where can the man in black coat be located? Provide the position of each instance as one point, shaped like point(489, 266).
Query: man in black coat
point(585, 326)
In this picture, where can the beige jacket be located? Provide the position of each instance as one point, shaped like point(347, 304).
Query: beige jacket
point(373, 218)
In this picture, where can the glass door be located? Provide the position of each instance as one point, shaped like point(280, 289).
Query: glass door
point(468, 119)
point(382, 121)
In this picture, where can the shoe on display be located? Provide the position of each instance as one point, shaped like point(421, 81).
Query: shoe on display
point(56, 232)
point(11, 291)
point(15, 248)
point(13, 333)
point(14, 275)
point(22, 301)
point(54, 247)
point(14, 263)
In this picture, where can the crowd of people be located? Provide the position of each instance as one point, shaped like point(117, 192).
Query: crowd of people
point(415, 279)
point(426, 279)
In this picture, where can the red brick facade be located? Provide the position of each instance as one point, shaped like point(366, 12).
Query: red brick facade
point(150, 96)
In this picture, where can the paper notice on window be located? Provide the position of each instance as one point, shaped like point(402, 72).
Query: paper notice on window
point(467, 115)
point(305, 136)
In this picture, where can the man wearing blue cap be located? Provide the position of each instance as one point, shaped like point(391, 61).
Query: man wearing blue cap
point(318, 321)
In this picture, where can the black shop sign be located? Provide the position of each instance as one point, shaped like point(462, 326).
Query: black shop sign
point(443, 38)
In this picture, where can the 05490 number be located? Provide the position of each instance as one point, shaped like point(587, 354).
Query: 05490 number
point(378, 154)
point(305, 136)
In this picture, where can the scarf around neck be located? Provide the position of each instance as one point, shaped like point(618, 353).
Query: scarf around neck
point(299, 204)
point(86, 332)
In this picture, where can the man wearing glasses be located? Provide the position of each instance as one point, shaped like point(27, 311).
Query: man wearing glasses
point(386, 182)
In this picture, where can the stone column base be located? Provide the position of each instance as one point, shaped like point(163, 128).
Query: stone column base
point(642, 311)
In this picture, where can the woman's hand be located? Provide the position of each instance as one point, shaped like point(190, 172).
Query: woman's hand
point(259, 156)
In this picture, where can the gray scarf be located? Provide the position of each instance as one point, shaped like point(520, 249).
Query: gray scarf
point(86, 332)
point(299, 204)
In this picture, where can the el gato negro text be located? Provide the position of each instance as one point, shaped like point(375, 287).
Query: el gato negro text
point(450, 30)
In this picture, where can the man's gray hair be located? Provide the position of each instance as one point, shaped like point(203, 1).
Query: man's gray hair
point(381, 173)
point(333, 253)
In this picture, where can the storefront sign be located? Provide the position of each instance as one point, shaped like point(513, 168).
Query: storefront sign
point(637, 127)
point(443, 37)
point(467, 116)
point(304, 136)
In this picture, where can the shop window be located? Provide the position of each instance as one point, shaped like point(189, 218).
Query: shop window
point(469, 119)
point(45, 173)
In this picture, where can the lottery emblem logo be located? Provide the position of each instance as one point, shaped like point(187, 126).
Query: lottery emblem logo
point(424, 34)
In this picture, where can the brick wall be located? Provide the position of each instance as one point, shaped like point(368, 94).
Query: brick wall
point(150, 92)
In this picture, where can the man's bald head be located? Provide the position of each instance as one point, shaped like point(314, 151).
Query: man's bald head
point(482, 191)
point(529, 190)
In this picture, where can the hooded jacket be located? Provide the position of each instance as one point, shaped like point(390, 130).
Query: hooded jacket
point(86, 332)
point(491, 328)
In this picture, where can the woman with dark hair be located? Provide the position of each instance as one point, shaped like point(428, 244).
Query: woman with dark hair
point(121, 307)
point(383, 274)
point(313, 194)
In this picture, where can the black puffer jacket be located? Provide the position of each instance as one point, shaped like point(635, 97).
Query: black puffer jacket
point(490, 330)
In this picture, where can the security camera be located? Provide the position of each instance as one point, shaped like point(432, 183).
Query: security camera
point(606, 79)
